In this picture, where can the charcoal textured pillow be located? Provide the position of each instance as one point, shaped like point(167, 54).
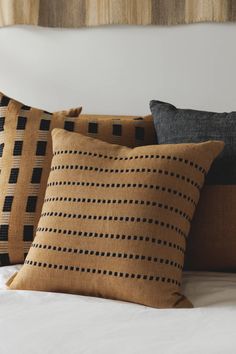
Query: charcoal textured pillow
point(25, 158)
point(212, 240)
point(115, 220)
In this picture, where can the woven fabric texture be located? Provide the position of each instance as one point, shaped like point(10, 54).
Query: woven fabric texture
point(212, 241)
point(115, 220)
point(26, 159)
point(131, 131)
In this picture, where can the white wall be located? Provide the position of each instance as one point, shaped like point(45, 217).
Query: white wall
point(118, 70)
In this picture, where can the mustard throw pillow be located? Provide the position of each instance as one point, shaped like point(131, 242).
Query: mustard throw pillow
point(115, 220)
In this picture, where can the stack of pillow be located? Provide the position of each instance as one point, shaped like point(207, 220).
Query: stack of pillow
point(105, 208)
point(212, 240)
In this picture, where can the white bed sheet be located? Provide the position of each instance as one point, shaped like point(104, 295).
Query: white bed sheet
point(48, 323)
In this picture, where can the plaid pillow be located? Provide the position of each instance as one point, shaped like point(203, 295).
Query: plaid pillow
point(25, 157)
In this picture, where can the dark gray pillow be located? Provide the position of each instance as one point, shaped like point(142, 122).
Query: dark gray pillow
point(174, 125)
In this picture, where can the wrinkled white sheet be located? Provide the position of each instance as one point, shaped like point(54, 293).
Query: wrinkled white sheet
point(48, 323)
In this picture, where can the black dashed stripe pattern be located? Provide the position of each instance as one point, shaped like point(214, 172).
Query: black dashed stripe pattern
point(103, 272)
point(120, 202)
point(153, 240)
point(133, 157)
point(127, 170)
point(107, 218)
point(124, 256)
point(124, 185)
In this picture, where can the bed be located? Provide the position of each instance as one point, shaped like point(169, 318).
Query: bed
point(109, 82)
point(37, 322)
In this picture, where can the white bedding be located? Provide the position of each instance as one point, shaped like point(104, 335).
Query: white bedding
point(48, 323)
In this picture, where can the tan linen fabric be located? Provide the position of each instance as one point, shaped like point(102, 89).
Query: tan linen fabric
point(25, 159)
point(115, 220)
point(131, 131)
point(77, 13)
point(24, 171)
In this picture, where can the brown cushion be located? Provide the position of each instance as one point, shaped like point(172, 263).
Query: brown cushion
point(128, 131)
point(22, 173)
point(212, 240)
point(25, 158)
point(115, 220)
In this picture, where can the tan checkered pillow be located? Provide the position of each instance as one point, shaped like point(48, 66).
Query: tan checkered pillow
point(25, 158)
point(115, 220)
point(25, 168)
point(131, 131)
